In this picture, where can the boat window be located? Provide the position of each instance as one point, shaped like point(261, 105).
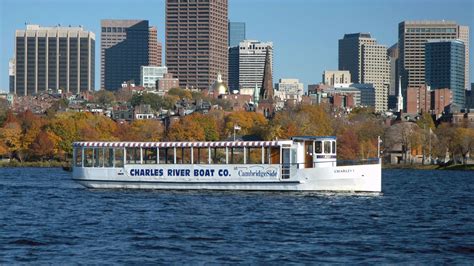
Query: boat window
point(170, 155)
point(254, 155)
point(88, 157)
point(109, 157)
point(78, 157)
point(186, 155)
point(200, 155)
point(236, 155)
point(275, 155)
point(179, 155)
point(334, 147)
point(119, 157)
point(162, 155)
point(183, 155)
point(133, 156)
point(218, 156)
point(309, 148)
point(318, 147)
point(98, 157)
point(327, 147)
point(271, 155)
point(149, 155)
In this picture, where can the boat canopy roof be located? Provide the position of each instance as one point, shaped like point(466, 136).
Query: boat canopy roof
point(313, 138)
point(204, 144)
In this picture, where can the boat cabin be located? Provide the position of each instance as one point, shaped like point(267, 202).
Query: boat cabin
point(297, 153)
point(315, 151)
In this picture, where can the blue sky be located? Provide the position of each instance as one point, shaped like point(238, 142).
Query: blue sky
point(304, 32)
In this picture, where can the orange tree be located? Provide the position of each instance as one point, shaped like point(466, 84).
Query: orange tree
point(31, 127)
point(10, 136)
point(70, 127)
point(186, 129)
point(140, 130)
point(348, 145)
point(250, 123)
point(43, 146)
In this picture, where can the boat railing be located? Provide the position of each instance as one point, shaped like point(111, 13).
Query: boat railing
point(358, 162)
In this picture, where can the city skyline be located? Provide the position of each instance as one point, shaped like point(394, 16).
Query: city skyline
point(305, 45)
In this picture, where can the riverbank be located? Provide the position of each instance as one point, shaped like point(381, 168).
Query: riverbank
point(44, 164)
point(459, 167)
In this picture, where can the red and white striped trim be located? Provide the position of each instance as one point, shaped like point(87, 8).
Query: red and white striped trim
point(216, 144)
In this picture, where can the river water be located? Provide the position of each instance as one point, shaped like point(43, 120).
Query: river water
point(421, 217)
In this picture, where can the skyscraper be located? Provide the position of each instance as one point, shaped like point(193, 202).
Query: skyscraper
point(236, 33)
point(233, 72)
point(196, 41)
point(126, 45)
point(247, 63)
point(412, 36)
point(350, 53)
point(155, 47)
point(376, 71)
point(393, 57)
point(463, 35)
point(54, 58)
point(368, 61)
point(444, 67)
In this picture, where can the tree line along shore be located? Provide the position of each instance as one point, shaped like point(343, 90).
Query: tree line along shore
point(28, 139)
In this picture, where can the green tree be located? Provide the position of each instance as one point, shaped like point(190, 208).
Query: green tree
point(181, 93)
point(3, 110)
point(448, 139)
point(104, 97)
point(155, 101)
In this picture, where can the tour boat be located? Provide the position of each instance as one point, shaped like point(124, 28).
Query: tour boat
point(303, 163)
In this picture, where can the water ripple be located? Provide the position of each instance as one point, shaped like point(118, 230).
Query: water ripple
point(421, 217)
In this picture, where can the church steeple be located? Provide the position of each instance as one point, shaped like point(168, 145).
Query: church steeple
point(256, 94)
point(400, 96)
point(266, 103)
point(266, 91)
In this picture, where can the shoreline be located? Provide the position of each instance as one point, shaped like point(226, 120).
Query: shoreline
point(458, 167)
point(39, 164)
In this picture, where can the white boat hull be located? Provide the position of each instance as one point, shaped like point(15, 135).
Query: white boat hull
point(354, 178)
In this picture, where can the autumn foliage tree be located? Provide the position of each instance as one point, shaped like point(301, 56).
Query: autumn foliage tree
point(70, 127)
point(10, 135)
point(140, 130)
point(308, 120)
point(43, 146)
point(31, 127)
point(250, 123)
point(348, 145)
point(186, 129)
